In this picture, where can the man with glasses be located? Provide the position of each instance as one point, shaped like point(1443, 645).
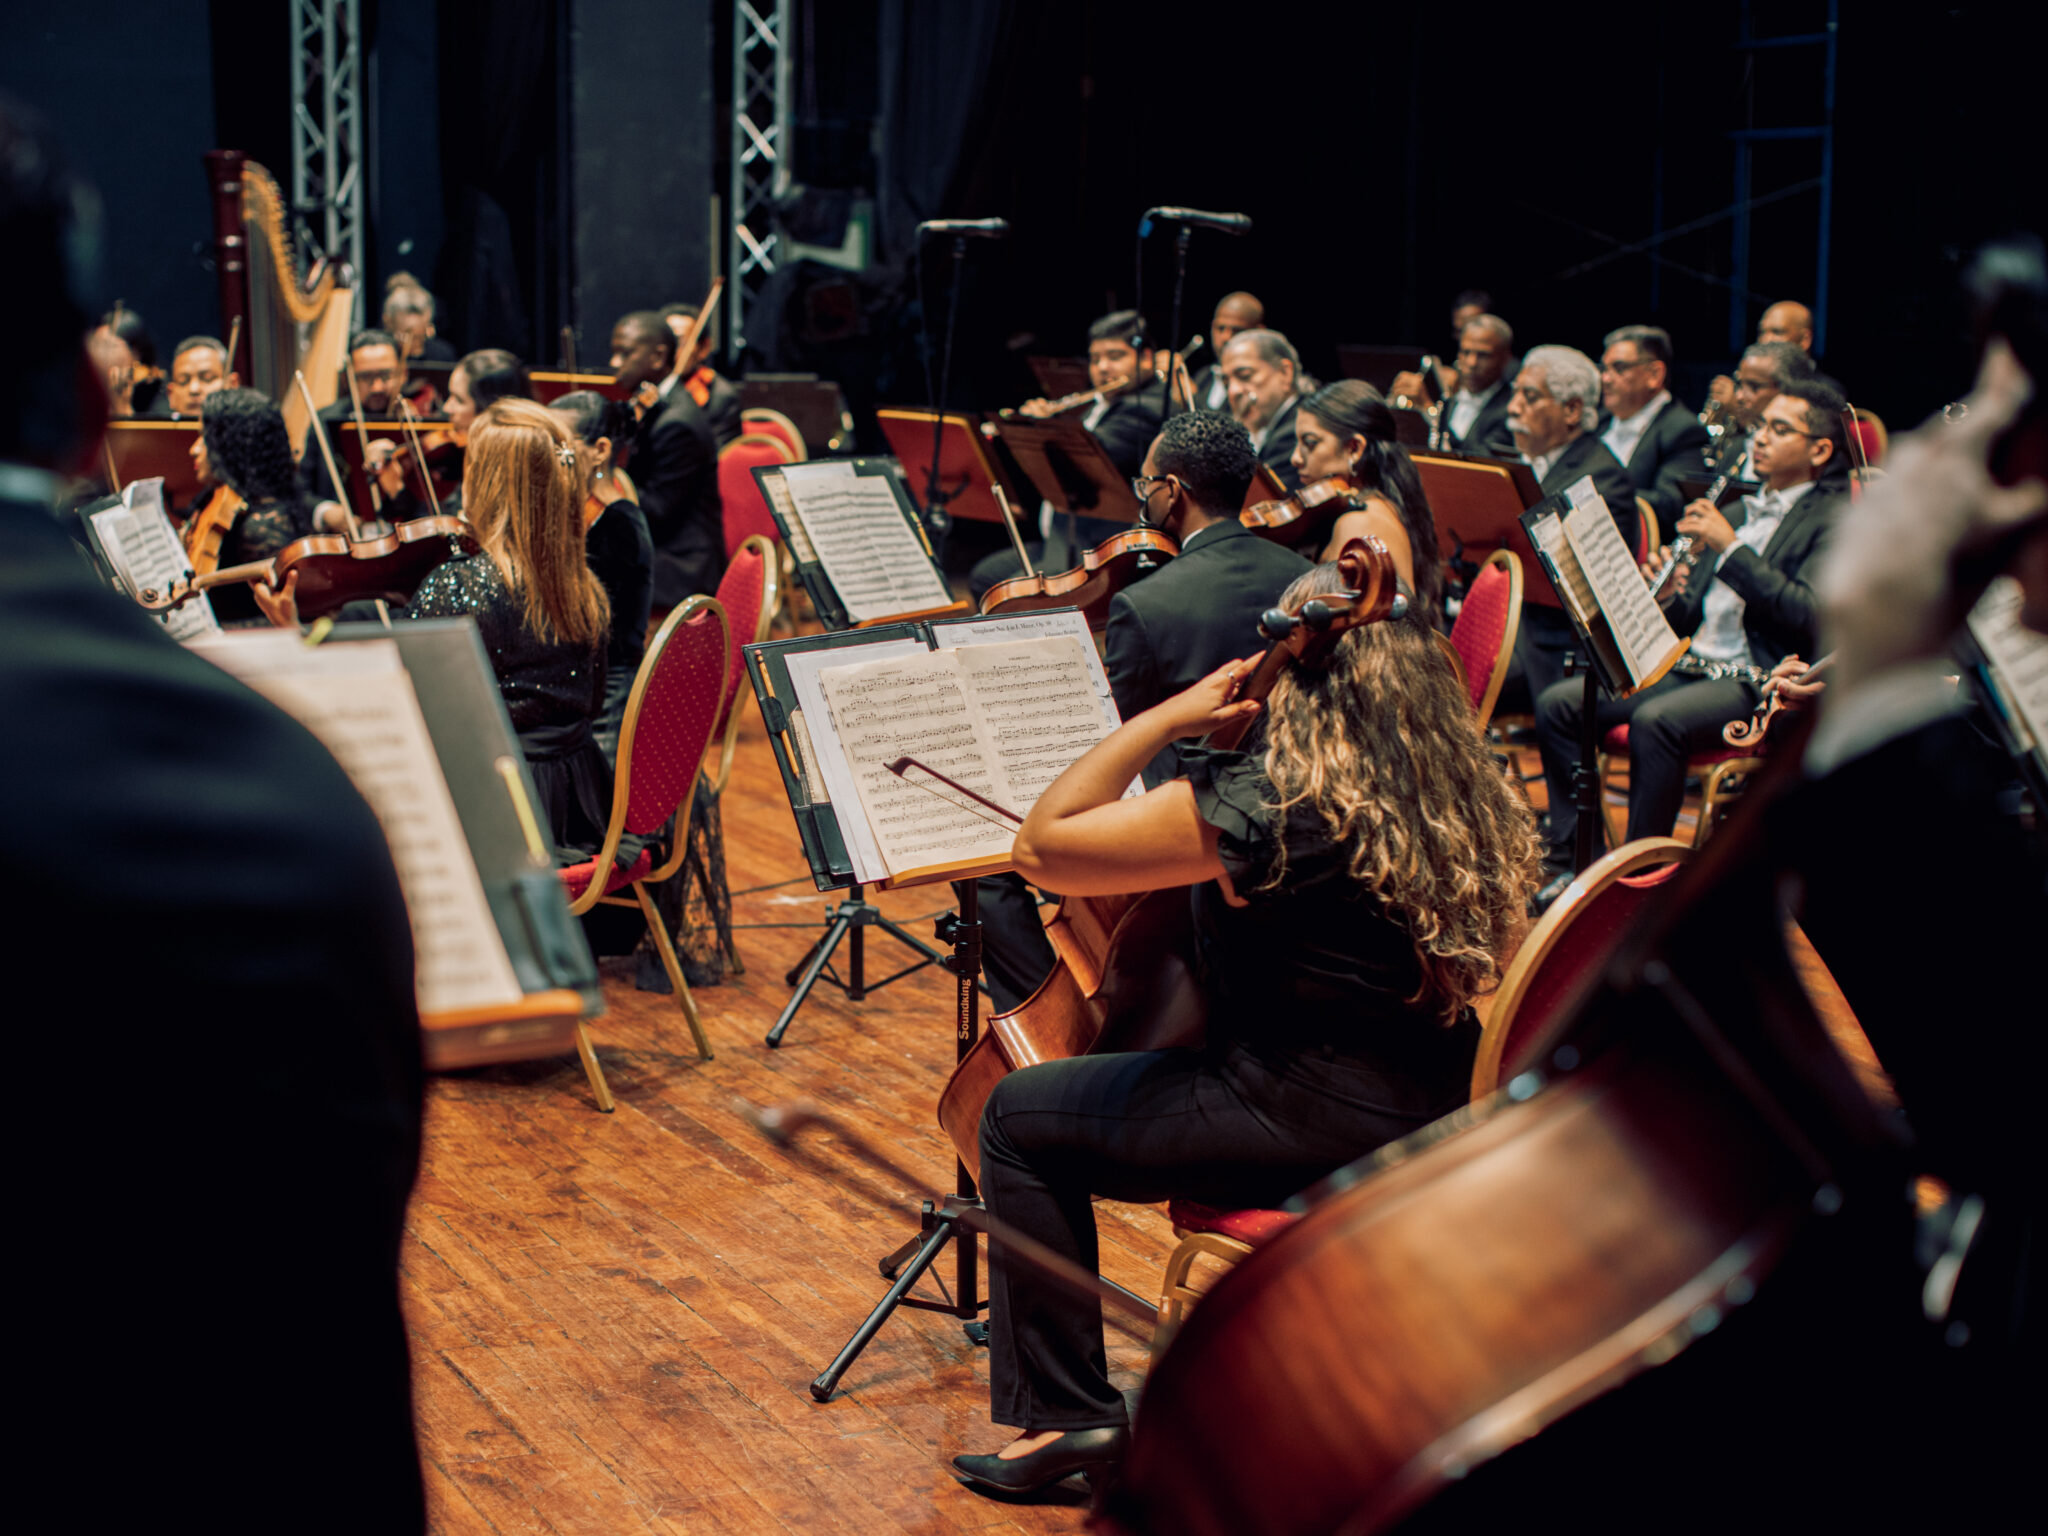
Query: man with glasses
point(1657, 440)
point(1749, 602)
point(380, 377)
point(1766, 368)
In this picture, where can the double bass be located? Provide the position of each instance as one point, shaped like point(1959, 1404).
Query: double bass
point(1120, 980)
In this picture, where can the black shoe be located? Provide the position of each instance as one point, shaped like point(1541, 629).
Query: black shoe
point(1078, 1450)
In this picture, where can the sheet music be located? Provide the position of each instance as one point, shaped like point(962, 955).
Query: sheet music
point(1037, 705)
point(1547, 533)
point(1642, 633)
point(2018, 656)
point(1041, 625)
point(875, 560)
point(804, 667)
point(358, 700)
point(917, 706)
point(144, 550)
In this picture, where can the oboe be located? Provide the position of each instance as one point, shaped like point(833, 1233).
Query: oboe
point(1683, 551)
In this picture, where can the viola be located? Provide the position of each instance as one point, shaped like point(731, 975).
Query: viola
point(334, 570)
point(1120, 980)
point(1305, 515)
point(1103, 572)
point(207, 530)
point(1749, 734)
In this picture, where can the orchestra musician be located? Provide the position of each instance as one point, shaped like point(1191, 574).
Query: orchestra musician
point(198, 367)
point(1655, 438)
point(1475, 416)
point(409, 316)
point(1235, 312)
point(243, 444)
point(141, 388)
point(617, 544)
point(379, 366)
point(1347, 428)
point(113, 366)
point(1267, 383)
point(716, 395)
point(1360, 875)
point(1788, 321)
point(1766, 367)
point(1469, 305)
point(1754, 606)
point(1552, 410)
point(477, 382)
point(674, 460)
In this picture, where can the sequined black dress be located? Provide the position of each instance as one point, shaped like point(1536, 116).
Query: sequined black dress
point(260, 531)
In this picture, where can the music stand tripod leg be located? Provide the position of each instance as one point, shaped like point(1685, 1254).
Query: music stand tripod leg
point(814, 967)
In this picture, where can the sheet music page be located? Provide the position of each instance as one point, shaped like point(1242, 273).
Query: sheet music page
point(826, 752)
point(358, 700)
point(876, 562)
point(1547, 533)
point(1039, 710)
point(144, 549)
point(1032, 626)
point(1638, 625)
point(916, 706)
point(2017, 655)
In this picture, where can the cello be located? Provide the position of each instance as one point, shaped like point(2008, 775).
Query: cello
point(1118, 982)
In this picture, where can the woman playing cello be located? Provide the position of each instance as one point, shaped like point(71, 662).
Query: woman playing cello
point(1363, 871)
point(1347, 429)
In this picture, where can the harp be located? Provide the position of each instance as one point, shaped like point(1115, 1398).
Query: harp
point(293, 306)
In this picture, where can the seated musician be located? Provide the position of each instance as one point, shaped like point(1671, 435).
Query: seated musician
point(1235, 312)
point(1165, 632)
point(1347, 428)
point(199, 366)
point(1124, 424)
point(141, 387)
point(1552, 410)
point(113, 365)
point(477, 382)
point(409, 316)
point(1766, 368)
point(674, 459)
point(1266, 382)
point(1333, 1027)
point(1752, 607)
point(1788, 321)
point(379, 367)
point(1469, 305)
point(1657, 439)
point(716, 395)
point(543, 616)
point(1476, 414)
point(617, 544)
point(243, 445)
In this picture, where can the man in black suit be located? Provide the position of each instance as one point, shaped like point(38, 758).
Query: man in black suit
point(1235, 312)
point(716, 395)
point(1753, 605)
point(674, 462)
point(210, 909)
point(1551, 410)
point(1476, 415)
point(1657, 439)
point(380, 379)
point(1766, 368)
point(1166, 633)
point(1266, 383)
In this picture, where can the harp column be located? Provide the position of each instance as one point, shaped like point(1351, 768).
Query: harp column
point(761, 57)
point(327, 133)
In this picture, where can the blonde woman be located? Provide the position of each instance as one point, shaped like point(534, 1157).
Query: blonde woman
point(1360, 875)
point(543, 616)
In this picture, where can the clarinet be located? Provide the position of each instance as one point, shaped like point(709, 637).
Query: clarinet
point(1690, 665)
point(1683, 551)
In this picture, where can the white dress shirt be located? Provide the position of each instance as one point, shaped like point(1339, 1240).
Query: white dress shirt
point(1624, 433)
point(1721, 636)
point(1466, 406)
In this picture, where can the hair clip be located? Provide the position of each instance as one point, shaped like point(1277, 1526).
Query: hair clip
point(566, 455)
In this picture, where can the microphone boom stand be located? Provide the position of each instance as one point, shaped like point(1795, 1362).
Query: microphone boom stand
point(936, 517)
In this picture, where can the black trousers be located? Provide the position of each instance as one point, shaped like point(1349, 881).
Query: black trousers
point(1226, 1128)
point(1668, 722)
point(1016, 956)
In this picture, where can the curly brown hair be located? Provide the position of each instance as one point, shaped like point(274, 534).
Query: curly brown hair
point(1384, 744)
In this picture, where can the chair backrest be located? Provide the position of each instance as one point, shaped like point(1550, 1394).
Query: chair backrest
point(676, 701)
point(748, 593)
point(1484, 633)
point(1870, 436)
point(1647, 532)
point(761, 421)
point(746, 509)
point(1564, 952)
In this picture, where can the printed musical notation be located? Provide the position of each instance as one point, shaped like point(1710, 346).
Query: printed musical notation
point(857, 527)
point(144, 550)
point(1641, 632)
point(2018, 658)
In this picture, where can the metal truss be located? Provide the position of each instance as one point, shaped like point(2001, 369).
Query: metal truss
point(761, 39)
point(327, 132)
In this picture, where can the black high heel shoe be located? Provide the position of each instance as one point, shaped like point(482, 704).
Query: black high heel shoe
point(1078, 1450)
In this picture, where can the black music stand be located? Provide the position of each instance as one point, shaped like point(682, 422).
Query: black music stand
point(1068, 466)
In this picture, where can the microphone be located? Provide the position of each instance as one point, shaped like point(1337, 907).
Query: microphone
point(987, 229)
point(1229, 223)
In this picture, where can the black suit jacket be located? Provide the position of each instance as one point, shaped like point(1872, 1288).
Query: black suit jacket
point(1671, 448)
point(209, 907)
point(675, 465)
point(1587, 455)
point(1779, 613)
point(1489, 434)
point(722, 410)
point(1189, 617)
point(1203, 382)
point(1277, 451)
point(1129, 425)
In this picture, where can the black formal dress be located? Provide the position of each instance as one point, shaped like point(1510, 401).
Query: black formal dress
point(1678, 716)
point(207, 909)
point(1671, 449)
point(1314, 1058)
point(674, 462)
point(621, 555)
point(1488, 434)
point(260, 530)
point(1546, 634)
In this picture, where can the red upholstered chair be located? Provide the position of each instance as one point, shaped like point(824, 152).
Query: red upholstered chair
point(1647, 531)
point(1484, 632)
point(1205, 1231)
point(1871, 437)
point(746, 509)
point(676, 700)
point(750, 592)
point(1724, 772)
point(1564, 951)
point(758, 420)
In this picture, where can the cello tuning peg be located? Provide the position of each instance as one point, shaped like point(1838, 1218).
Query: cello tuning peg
point(1276, 623)
point(1398, 609)
point(1317, 614)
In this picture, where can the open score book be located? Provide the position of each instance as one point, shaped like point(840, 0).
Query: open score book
point(1600, 583)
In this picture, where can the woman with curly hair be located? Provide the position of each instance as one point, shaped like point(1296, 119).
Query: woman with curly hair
point(243, 445)
point(1347, 428)
point(1360, 874)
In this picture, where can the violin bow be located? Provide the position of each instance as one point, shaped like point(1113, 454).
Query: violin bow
point(1016, 533)
point(355, 527)
point(355, 396)
point(412, 419)
point(954, 793)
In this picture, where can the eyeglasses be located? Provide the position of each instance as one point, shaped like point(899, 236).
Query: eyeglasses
point(1612, 367)
point(1141, 485)
point(1780, 429)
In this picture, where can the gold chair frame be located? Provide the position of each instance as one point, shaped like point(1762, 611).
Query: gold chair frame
point(758, 413)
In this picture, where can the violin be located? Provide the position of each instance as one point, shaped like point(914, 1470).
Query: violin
point(1103, 572)
point(1305, 515)
point(1749, 734)
point(1121, 979)
point(207, 530)
point(334, 570)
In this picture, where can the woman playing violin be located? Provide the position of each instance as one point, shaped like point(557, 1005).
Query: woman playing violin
point(1361, 874)
point(243, 445)
point(1347, 429)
